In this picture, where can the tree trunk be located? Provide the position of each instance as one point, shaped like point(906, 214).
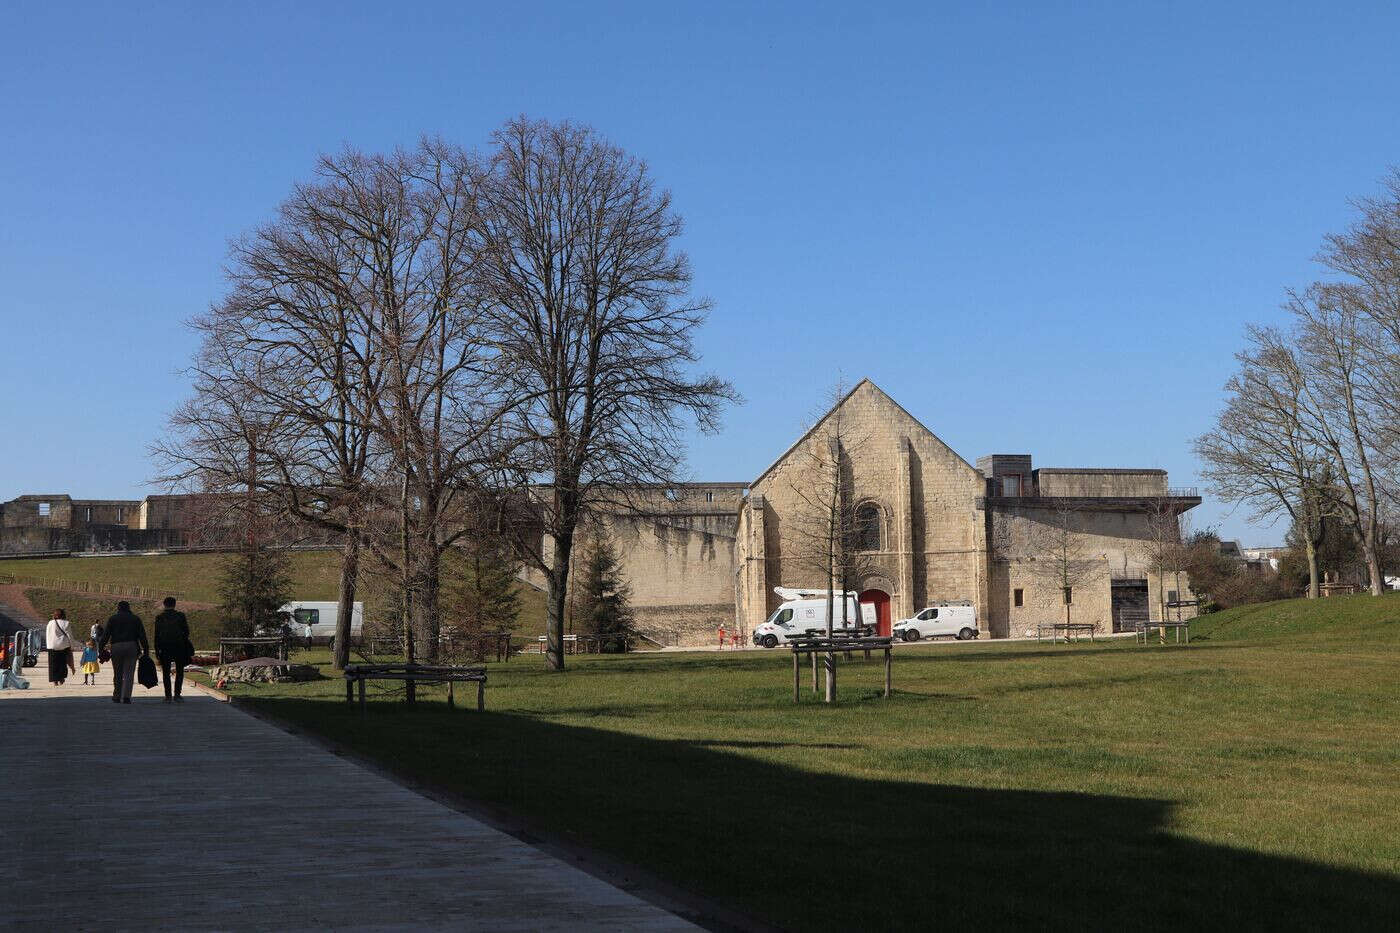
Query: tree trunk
point(1311, 548)
point(349, 572)
point(1373, 566)
point(556, 599)
point(428, 620)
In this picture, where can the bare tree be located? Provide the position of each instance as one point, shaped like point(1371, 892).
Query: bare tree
point(1162, 549)
point(594, 321)
point(1263, 450)
point(352, 331)
point(1340, 392)
point(293, 341)
point(828, 534)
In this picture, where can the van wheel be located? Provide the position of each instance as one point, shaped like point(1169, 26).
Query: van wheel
point(770, 641)
point(965, 634)
point(911, 634)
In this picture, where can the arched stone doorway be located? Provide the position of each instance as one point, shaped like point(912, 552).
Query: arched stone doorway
point(881, 601)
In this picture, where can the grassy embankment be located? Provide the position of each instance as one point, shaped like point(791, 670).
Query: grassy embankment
point(1248, 780)
point(195, 577)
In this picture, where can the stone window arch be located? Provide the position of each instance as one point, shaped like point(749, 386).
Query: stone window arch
point(868, 527)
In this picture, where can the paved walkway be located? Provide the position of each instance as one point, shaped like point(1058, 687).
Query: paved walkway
point(198, 816)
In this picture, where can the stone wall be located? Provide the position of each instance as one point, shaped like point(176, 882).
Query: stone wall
point(93, 539)
point(1116, 542)
point(1059, 481)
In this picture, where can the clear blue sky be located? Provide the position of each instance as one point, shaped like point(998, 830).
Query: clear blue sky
point(1041, 229)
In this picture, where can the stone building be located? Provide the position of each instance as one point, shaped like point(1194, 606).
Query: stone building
point(927, 525)
point(931, 526)
point(57, 523)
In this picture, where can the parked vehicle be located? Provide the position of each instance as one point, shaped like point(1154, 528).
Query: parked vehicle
point(803, 614)
point(315, 621)
point(956, 618)
point(33, 646)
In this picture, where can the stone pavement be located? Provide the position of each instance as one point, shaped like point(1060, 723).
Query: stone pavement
point(196, 816)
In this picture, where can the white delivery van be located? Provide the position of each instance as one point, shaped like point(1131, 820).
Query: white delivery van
point(956, 618)
point(316, 620)
point(803, 613)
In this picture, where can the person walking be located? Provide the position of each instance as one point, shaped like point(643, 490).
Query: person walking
point(172, 646)
point(96, 633)
point(58, 641)
point(127, 636)
point(91, 666)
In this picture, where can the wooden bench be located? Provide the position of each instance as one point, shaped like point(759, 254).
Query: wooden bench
point(590, 643)
point(1141, 629)
point(275, 642)
point(480, 644)
point(357, 674)
point(814, 646)
point(1071, 630)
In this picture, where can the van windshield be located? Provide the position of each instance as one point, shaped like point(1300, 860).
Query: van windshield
point(781, 617)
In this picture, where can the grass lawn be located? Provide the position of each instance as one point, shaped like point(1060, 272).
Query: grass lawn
point(1250, 780)
point(316, 574)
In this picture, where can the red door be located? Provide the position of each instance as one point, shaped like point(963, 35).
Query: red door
point(881, 601)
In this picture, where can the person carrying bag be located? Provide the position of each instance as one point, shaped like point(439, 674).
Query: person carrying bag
point(127, 636)
point(58, 641)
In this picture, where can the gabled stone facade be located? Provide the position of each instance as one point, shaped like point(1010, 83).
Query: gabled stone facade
point(951, 531)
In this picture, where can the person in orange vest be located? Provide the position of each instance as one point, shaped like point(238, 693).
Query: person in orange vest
point(721, 636)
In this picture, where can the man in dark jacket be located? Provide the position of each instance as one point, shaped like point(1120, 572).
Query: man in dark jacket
point(172, 646)
point(127, 636)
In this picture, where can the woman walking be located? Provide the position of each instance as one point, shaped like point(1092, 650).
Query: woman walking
point(58, 640)
point(127, 636)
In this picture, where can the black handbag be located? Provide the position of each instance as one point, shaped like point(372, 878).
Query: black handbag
point(146, 672)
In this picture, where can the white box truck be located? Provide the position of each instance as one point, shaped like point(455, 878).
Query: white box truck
point(803, 613)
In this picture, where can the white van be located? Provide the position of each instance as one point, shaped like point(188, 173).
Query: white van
point(956, 618)
point(316, 620)
point(803, 613)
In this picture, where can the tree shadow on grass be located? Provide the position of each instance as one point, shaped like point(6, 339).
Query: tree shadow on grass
point(812, 850)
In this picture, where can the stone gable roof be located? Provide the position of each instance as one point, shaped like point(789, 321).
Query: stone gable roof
point(882, 394)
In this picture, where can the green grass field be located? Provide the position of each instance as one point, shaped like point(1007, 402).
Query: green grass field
point(1249, 780)
point(315, 576)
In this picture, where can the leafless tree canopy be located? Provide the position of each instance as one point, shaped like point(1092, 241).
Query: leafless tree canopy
point(1312, 422)
point(424, 339)
point(590, 302)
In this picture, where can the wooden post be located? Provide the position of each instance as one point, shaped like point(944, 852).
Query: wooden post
point(449, 695)
point(830, 664)
point(349, 690)
point(481, 696)
point(362, 696)
point(813, 653)
point(887, 670)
